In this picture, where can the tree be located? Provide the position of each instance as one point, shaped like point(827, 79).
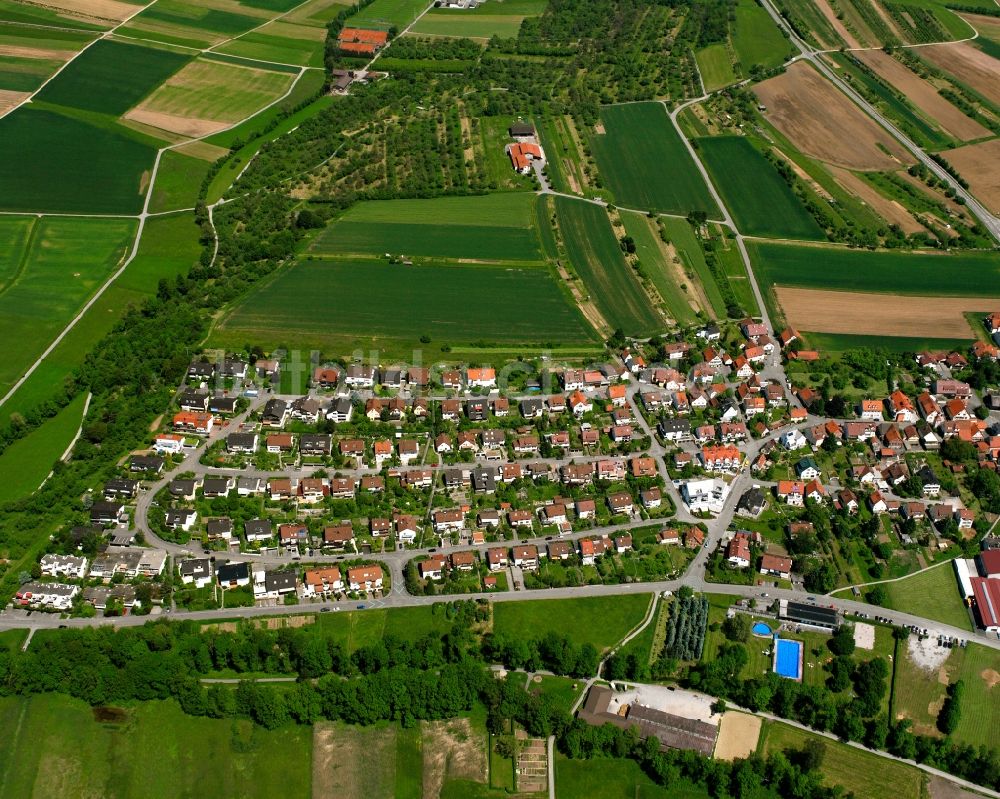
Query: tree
point(951, 711)
point(877, 595)
point(737, 627)
point(842, 641)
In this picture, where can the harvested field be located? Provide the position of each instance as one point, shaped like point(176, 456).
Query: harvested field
point(185, 126)
point(99, 10)
point(877, 314)
point(9, 100)
point(203, 150)
point(980, 165)
point(969, 64)
point(987, 26)
point(738, 736)
point(890, 210)
point(836, 24)
point(923, 95)
point(21, 51)
point(451, 751)
point(823, 123)
point(353, 762)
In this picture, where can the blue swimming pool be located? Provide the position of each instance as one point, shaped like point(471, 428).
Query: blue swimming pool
point(788, 658)
point(762, 630)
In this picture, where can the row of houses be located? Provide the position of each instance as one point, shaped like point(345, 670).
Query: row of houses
point(321, 582)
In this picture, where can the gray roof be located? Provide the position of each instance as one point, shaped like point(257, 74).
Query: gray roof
point(196, 567)
point(278, 581)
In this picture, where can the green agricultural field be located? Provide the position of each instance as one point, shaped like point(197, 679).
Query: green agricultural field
point(512, 210)
point(275, 42)
point(111, 76)
point(344, 304)
point(389, 13)
point(840, 342)
point(65, 165)
point(41, 38)
point(209, 89)
point(27, 461)
point(910, 596)
point(643, 160)
point(857, 770)
point(756, 38)
point(63, 261)
point(25, 74)
point(611, 618)
point(966, 274)
point(178, 181)
point(682, 236)
point(653, 258)
point(52, 745)
point(598, 260)
point(760, 201)
point(490, 19)
point(605, 778)
point(176, 20)
point(169, 247)
point(716, 66)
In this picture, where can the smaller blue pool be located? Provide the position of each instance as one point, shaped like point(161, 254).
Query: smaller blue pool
point(761, 629)
point(788, 658)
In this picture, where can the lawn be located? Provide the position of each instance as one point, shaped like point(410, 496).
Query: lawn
point(494, 227)
point(65, 165)
point(65, 260)
point(760, 201)
point(645, 232)
point(716, 66)
point(178, 181)
point(490, 19)
point(604, 778)
point(644, 162)
point(169, 246)
point(214, 90)
point(27, 461)
point(756, 38)
point(859, 771)
point(111, 76)
point(337, 303)
point(910, 596)
point(597, 258)
point(358, 628)
point(601, 621)
point(389, 13)
point(966, 274)
point(53, 746)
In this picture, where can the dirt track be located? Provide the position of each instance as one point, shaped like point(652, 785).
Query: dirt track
point(980, 165)
point(923, 95)
point(823, 311)
point(823, 123)
point(968, 64)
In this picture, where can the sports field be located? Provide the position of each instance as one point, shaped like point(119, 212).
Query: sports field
point(111, 76)
point(206, 96)
point(60, 263)
point(861, 772)
point(66, 165)
point(657, 262)
point(355, 303)
point(52, 745)
point(644, 162)
point(759, 199)
point(494, 227)
point(965, 274)
point(490, 19)
point(608, 619)
point(910, 596)
point(27, 461)
point(597, 258)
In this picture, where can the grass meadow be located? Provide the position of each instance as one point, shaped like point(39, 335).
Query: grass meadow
point(69, 166)
point(111, 76)
point(178, 181)
point(863, 773)
point(62, 262)
point(358, 628)
point(966, 274)
point(169, 246)
point(27, 461)
point(644, 162)
point(488, 20)
point(715, 63)
point(52, 745)
point(760, 201)
point(682, 236)
point(385, 14)
point(756, 39)
point(980, 671)
point(910, 596)
point(598, 260)
point(605, 778)
point(653, 258)
point(346, 304)
point(601, 621)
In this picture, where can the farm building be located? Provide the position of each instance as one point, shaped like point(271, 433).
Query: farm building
point(522, 154)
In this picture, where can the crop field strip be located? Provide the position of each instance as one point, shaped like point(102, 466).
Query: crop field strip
point(691, 254)
point(645, 163)
point(488, 20)
point(759, 199)
point(597, 258)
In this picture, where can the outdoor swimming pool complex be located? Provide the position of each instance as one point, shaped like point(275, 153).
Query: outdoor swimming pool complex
point(788, 658)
